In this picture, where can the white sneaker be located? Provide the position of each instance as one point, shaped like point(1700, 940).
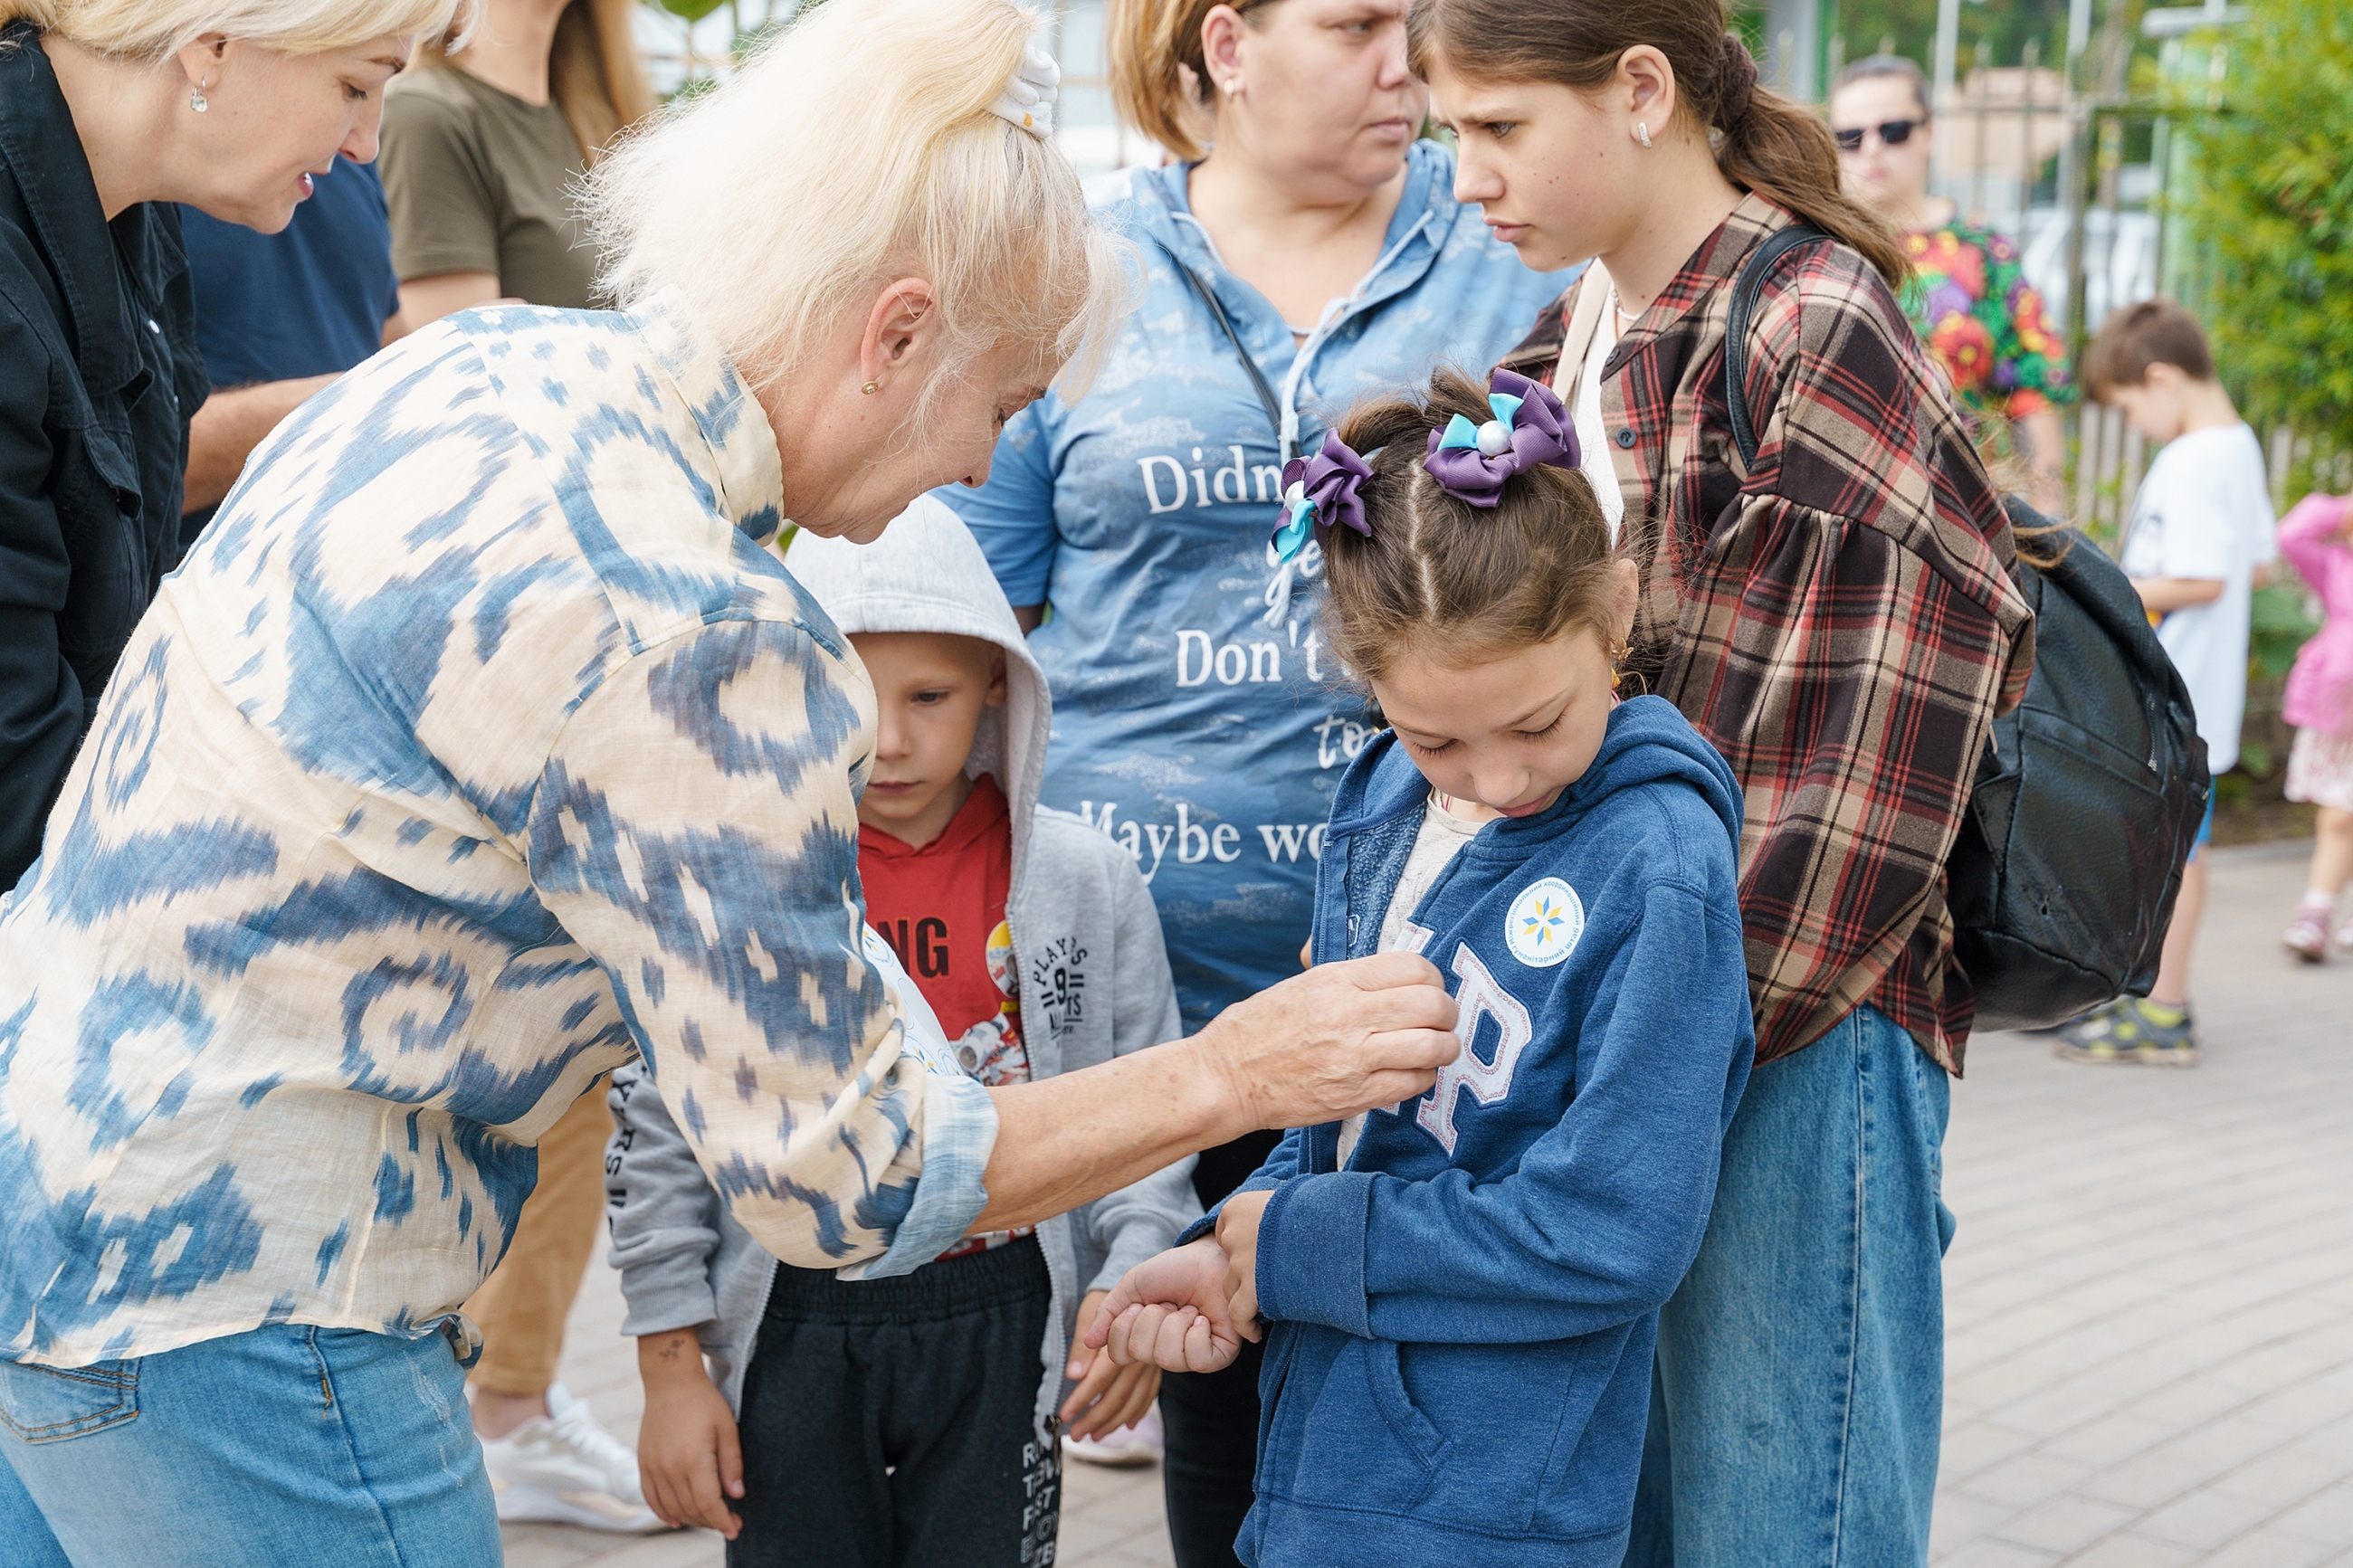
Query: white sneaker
point(564, 1469)
point(1137, 1445)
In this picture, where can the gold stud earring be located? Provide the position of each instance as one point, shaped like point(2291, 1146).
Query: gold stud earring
point(1642, 132)
point(871, 388)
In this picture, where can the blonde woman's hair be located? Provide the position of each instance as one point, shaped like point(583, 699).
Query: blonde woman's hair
point(855, 148)
point(594, 74)
point(157, 29)
point(1159, 73)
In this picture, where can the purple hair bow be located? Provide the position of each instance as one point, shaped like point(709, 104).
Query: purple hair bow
point(1319, 494)
point(1471, 462)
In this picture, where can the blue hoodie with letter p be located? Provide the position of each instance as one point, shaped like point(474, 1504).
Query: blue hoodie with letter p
point(1458, 1371)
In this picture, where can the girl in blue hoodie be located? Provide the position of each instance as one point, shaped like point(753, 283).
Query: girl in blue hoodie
point(1459, 1293)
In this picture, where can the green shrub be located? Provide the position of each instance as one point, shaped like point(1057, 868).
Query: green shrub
point(2274, 210)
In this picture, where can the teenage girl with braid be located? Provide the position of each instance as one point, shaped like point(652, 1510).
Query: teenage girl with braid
point(1836, 616)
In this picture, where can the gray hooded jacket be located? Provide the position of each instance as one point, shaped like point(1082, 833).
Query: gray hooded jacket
point(1086, 940)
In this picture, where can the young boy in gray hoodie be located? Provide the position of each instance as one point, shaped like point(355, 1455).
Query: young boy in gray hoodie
point(913, 1420)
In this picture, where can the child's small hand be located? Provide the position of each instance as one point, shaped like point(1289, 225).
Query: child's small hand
point(1238, 1234)
point(688, 1453)
point(1109, 1395)
point(1170, 1311)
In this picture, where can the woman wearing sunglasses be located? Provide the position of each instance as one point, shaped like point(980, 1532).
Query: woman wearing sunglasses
point(1968, 296)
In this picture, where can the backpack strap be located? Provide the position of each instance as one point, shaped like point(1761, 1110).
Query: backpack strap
point(1746, 287)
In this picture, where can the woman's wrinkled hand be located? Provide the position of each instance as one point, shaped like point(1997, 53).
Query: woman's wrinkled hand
point(1341, 1039)
point(1170, 1312)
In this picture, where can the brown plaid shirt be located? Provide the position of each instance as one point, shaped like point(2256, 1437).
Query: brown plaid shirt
point(1839, 622)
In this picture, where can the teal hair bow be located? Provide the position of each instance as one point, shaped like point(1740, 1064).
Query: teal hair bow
point(1492, 439)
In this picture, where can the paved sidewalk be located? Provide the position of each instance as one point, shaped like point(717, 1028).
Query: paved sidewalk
point(2151, 1299)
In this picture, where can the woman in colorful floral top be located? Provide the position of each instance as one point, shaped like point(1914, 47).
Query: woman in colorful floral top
point(1968, 299)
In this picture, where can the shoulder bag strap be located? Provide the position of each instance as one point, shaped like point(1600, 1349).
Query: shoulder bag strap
point(1593, 290)
point(1746, 287)
point(1217, 308)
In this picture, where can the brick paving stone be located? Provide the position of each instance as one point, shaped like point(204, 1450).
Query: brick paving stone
point(2029, 1478)
point(2327, 1517)
point(2064, 1523)
point(2208, 1517)
point(2148, 1481)
point(2268, 1548)
point(1962, 1517)
point(2149, 1300)
point(1989, 1554)
point(1976, 1446)
point(2180, 1244)
point(2131, 1552)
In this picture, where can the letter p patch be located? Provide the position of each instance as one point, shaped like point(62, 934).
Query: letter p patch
point(1481, 997)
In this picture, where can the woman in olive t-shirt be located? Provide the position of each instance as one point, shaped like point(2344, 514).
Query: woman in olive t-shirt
point(480, 157)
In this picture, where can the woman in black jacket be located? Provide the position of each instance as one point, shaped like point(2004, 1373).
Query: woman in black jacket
point(110, 113)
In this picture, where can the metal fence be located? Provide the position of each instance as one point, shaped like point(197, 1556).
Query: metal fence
point(2085, 165)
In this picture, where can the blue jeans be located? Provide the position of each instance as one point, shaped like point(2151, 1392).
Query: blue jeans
point(1799, 1383)
point(281, 1445)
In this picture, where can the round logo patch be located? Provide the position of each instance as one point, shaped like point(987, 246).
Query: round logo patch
point(1543, 923)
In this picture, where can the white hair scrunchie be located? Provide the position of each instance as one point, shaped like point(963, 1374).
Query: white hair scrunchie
point(1027, 100)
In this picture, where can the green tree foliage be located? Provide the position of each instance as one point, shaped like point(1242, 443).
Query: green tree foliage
point(2274, 208)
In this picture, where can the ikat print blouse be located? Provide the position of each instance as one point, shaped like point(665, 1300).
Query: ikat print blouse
point(477, 748)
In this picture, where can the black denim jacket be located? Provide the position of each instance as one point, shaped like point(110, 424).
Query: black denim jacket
point(98, 378)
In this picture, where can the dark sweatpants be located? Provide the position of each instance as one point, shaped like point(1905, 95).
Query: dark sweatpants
point(888, 1424)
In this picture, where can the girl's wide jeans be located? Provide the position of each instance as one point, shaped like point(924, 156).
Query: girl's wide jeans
point(1799, 1384)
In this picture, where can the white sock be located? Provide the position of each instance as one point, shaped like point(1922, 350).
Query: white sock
point(2314, 898)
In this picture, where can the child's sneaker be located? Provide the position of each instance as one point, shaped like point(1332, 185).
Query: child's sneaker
point(1139, 1444)
point(2131, 1029)
point(2307, 934)
point(564, 1469)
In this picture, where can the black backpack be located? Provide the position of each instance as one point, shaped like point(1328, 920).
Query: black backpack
point(2086, 807)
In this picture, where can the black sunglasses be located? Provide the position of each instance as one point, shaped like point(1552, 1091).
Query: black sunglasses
point(1893, 132)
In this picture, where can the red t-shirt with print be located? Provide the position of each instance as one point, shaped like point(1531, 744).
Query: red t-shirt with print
point(942, 909)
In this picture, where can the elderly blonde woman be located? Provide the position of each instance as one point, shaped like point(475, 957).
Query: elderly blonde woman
point(480, 747)
point(110, 110)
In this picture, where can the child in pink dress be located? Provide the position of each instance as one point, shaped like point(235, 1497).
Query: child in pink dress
point(2317, 540)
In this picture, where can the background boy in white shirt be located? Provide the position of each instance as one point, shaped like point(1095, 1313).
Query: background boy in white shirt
point(2201, 524)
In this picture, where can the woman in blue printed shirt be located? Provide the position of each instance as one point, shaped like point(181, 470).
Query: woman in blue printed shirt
point(1199, 717)
point(481, 746)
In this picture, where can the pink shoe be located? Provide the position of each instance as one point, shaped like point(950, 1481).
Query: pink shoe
point(1137, 1445)
point(2307, 935)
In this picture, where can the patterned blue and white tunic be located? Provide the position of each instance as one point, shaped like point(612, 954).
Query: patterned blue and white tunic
point(477, 748)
